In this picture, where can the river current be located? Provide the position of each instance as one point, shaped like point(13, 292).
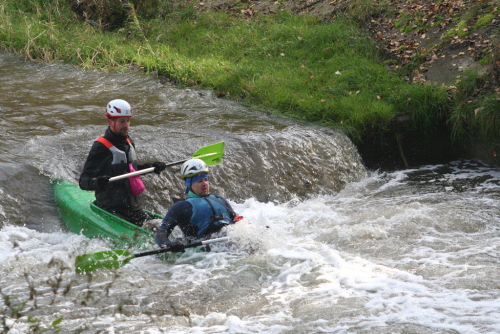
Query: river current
point(327, 247)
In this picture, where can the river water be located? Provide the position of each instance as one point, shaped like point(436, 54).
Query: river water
point(330, 247)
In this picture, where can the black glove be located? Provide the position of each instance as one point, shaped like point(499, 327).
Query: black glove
point(177, 246)
point(101, 182)
point(159, 166)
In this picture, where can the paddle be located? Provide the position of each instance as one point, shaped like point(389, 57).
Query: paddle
point(211, 154)
point(116, 258)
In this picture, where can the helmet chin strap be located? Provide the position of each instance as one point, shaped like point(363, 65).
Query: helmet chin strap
point(115, 119)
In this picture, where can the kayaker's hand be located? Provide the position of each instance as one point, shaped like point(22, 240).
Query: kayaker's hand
point(162, 239)
point(101, 182)
point(159, 166)
point(177, 246)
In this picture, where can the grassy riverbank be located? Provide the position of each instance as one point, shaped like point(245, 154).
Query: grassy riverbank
point(295, 66)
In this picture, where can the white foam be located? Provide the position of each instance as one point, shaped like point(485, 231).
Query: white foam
point(381, 255)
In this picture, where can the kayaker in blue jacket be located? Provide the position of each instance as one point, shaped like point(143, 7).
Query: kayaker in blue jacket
point(111, 155)
point(202, 213)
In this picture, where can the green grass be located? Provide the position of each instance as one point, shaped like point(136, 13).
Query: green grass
point(472, 117)
point(466, 24)
point(294, 66)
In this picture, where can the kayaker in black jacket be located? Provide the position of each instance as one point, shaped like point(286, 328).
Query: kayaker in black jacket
point(111, 155)
point(201, 214)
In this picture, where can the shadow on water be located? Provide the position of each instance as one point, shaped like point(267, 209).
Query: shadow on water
point(27, 199)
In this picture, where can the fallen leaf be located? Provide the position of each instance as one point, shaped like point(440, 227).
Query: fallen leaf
point(337, 73)
point(299, 38)
point(322, 100)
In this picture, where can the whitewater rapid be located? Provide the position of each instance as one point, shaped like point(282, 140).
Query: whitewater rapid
point(407, 251)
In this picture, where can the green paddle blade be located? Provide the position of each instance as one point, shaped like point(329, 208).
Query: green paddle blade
point(211, 154)
point(111, 259)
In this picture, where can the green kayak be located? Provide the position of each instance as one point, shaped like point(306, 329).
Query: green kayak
point(80, 214)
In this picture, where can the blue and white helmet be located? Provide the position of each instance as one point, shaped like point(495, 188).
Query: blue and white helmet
point(193, 167)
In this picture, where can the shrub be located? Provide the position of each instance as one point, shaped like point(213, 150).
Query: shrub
point(112, 14)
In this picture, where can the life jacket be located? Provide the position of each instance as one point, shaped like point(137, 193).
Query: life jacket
point(209, 214)
point(118, 194)
point(119, 156)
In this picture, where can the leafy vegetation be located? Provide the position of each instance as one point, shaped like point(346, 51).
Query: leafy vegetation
point(472, 117)
point(301, 67)
point(20, 311)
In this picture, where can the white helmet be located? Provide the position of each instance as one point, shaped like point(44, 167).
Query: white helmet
point(118, 108)
point(193, 167)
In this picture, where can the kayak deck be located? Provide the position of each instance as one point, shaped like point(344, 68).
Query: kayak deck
point(80, 214)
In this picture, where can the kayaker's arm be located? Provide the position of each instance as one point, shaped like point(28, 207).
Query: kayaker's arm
point(179, 215)
point(91, 170)
point(233, 215)
point(159, 166)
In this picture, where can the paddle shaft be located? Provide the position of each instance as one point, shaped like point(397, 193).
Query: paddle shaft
point(143, 171)
point(150, 169)
point(195, 244)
